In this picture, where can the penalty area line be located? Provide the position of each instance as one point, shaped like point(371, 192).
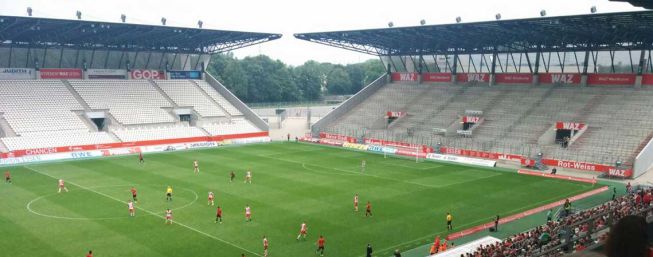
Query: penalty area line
point(150, 212)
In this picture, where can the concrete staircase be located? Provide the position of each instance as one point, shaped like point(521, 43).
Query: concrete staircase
point(158, 89)
point(76, 95)
point(211, 99)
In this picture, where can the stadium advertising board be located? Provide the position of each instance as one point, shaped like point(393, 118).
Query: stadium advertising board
point(559, 78)
point(185, 74)
point(609, 170)
point(404, 76)
point(556, 176)
point(355, 146)
point(611, 79)
point(412, 148)
point(473, 77)
point(647, 79)
point(147, 74)
point(471, 119)
point(460, 159)
point(395, 114)
point(106, 74)
point(479, 154)
point(61, 73)
point(17, 73)
point(570, 125)
point(513, 78)
point(330, 136)
point(436, 77)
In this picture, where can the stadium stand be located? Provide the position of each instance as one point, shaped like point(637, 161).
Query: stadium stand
point(218, 98)
point(522, 90)
point(135, 134)
point(515, 117)
point(186, 93)
point(130, 102)
point(236, 126)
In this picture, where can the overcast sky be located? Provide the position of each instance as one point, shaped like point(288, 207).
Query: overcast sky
point(289, 17)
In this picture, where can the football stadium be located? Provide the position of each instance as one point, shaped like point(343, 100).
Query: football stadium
point(509, 137)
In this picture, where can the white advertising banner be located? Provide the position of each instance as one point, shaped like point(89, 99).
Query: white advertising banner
point(461, 159)
point(17, 73)
point(106, 74)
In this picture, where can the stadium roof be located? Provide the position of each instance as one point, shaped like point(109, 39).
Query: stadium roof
point(609, 31)
point(648, 4)
point(79, 34)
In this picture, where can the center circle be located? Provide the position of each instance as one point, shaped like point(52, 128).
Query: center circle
point(38, 207)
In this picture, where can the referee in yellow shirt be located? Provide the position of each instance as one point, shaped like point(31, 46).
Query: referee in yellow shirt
point(169, 194)
point(449, 220)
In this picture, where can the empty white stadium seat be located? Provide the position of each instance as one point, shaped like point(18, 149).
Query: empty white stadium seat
point(157, 133)
point(185, 93)
point(236, 126)
point(56, 139)
point(230, 108)
point(129, 101)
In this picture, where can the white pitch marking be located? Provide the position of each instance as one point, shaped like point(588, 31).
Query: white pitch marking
point(152, 213)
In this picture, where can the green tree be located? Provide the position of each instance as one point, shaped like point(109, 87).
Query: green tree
point(338, 81)
point(309, 80)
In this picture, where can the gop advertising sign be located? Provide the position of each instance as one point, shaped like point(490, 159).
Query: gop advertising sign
point(611, 79)
point(513, 78)
point(61, 73)
point(559, 78)
point(404, 76)
point(147, 74)
point(185, 74)
point(17, 73)
point(473, 77)
point(436, 77)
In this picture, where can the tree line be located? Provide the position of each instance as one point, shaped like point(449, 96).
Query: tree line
point(261, 79)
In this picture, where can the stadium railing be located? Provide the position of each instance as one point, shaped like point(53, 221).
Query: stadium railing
point(247, 112)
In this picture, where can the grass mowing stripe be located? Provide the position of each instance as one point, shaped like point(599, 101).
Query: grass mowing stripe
point(150, 212)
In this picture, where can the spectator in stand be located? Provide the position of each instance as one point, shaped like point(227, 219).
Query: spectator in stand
point(629, 188)
point(549, 215)
point(567, 207)
point(628, 238)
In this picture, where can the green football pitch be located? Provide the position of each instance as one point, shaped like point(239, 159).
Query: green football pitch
point(292, 183)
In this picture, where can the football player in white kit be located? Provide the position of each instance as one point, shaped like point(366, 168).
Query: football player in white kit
point(168, 216)
point(248, 177)
point(303, 231)
point(130, 205)
point(62, 186)
point(196, 167)
point(211, 197)
point(248, 213)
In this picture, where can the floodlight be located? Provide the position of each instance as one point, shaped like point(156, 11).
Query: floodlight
point(458, 19)
point(390, 24)
point(422, 22)
point(29, 11)
point(497, 16)
point(79, 15)
point(593, 9)
point(123, 18)
point(163, 21)
point(542, 13)
point(200, 23)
